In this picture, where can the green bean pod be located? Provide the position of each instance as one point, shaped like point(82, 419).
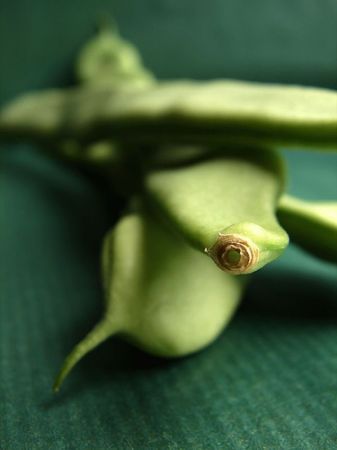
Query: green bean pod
point(161, 294)
point(311, 225)
point(191, 112)
point(225, 206)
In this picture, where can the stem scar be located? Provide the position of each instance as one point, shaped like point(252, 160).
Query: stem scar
point(233, 253)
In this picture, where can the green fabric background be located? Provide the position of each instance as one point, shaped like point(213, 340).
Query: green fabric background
point(269, 382)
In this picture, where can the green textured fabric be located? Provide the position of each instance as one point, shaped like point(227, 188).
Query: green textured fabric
point(270, 381)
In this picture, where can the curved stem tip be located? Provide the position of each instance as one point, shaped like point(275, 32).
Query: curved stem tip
point(96, 336)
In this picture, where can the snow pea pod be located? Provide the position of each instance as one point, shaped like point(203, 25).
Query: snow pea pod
point(192, 112)
point(160, 294)
point(225, 205)
point(311, 225)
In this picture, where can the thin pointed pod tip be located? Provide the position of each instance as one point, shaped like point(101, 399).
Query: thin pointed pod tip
point(96, 336)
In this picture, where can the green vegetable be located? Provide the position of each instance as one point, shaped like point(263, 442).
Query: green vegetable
point(179, 112)
point(160, 294)
point(106, 60)
point(312, 225)
point(109, 60)
point(226, 206)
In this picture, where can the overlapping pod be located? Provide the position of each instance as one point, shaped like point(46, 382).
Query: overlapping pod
point(225, 205)
point(312, 225)
point(161, 294)
point(222, 111)
point(110, 61)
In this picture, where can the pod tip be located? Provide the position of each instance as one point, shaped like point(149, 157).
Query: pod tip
point(96, 336)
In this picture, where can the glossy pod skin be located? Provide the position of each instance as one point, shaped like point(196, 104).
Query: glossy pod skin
point(192, 112)
point(160, 294)
point(225, 205)
point(311, 225)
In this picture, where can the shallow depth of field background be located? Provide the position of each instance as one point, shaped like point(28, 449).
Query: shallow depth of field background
point(270, 380)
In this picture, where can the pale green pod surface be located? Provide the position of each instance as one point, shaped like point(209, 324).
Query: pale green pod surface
point(107, 59)
point(192, 112)
point(311, 225)
point(225, 206)
point(161, 294)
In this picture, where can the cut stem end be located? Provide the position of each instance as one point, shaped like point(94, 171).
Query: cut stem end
point(234, 254)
